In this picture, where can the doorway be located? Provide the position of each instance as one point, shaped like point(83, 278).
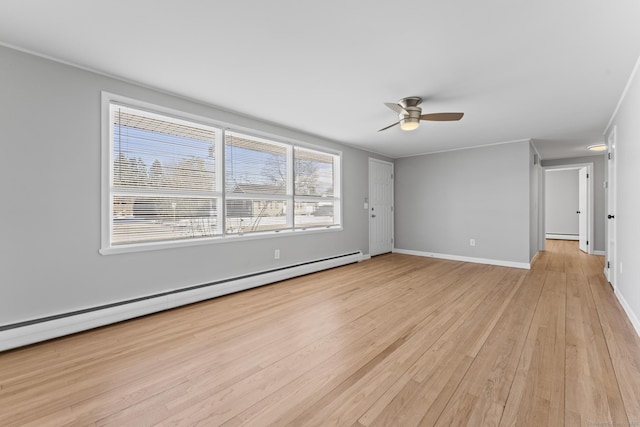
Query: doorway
point(568, 201)
point(380, 207)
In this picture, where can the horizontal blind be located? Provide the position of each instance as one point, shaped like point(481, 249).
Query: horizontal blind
point(316, 201)
point(255, 215)
point(313, 173)
point(315, 214)
point(256, 173)
point(163, 178)
point(152, 152)
point(254, 165)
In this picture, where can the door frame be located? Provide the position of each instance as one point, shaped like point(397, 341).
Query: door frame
point(393, 201)
point(583, 223)
point(610, 209)
point(590, 201)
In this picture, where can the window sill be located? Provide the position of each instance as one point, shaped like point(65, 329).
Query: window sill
point(144, 247)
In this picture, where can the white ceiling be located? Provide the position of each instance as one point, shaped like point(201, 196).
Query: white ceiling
point(550, 70)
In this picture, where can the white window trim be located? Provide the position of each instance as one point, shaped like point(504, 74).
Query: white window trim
point(106, 211)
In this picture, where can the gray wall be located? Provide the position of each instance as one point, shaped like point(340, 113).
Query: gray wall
point(627, 201)
point(50, 182)
point(561, 201)
point(599, 205)
point(444, 199)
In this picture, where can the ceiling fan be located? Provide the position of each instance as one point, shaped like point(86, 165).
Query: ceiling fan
point(410, 114)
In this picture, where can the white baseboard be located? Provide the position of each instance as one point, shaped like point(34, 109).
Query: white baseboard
point(502, 263)
point(562, 237)
point(630, 314)
point(602, 253)
point(68, 324)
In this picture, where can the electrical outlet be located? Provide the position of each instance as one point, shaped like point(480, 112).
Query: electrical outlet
point(276, 254)
point(472, 242)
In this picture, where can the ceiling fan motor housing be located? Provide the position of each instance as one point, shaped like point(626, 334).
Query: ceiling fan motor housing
point(409, 102)
point(412, 120)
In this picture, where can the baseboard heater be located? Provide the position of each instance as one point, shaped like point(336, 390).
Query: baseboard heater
point(36, 330)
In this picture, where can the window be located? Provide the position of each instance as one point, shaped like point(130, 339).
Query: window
point(177, 181)
point(316, 188)
point(163, 178)
point(256, 184)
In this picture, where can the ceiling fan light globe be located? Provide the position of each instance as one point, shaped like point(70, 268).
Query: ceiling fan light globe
point(409, 124)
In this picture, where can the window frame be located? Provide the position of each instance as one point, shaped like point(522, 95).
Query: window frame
point(335, 199)
point(106, 205)
point(287, 197)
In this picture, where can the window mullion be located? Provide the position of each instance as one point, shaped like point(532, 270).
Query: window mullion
point(291, 187)
point(221, 177)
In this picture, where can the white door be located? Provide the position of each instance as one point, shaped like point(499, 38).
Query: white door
point(609, 268)
point(380, 207)
point(582, 209)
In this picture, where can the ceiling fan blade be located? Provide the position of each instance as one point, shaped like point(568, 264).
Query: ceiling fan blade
point(442, 117)
point(397, 108)
point(390, 126)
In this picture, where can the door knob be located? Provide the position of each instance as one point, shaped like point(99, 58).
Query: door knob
point(577, 211)
point(373, 216)
point(610, 216)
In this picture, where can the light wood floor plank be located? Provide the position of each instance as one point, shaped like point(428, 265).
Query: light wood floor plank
point(622, 343)
point(434, 377)
point(346, 407)
point(483, 390)
point(397, 340)
point(592, 392)
point(537, 392)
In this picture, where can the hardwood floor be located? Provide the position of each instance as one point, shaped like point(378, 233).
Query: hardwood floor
point(398, 340)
